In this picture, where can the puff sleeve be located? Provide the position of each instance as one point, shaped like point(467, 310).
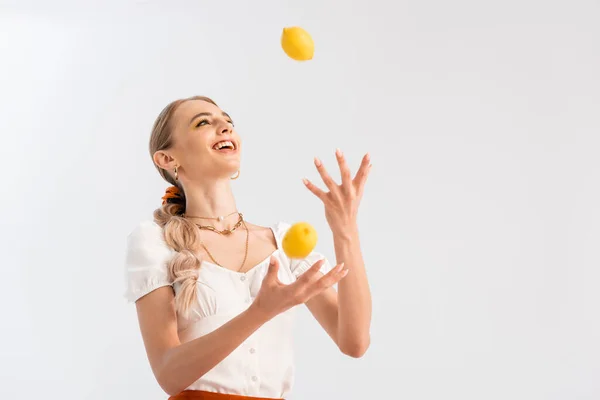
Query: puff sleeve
point(146, 259)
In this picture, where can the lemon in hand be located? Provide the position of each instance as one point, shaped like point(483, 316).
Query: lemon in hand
point(300, 240)
point(297, 43)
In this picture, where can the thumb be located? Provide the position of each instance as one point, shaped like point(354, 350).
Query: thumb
point(271, 275)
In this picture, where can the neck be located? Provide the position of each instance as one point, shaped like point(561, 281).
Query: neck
point(211, 200)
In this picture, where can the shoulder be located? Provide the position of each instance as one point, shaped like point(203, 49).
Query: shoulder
point(146, 232)
point(146, 260)
point(145, 228)
point(281, 227)
point(146, 241)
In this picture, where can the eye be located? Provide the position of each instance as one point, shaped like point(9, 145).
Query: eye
point(202, 122)
point(231, 122)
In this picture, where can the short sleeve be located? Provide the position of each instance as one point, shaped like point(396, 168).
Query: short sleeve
point(146, 259)
point(300, 266)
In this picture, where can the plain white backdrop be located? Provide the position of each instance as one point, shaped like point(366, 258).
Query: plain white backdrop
point(480, 223)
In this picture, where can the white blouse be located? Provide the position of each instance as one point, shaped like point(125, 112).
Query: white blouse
point(262, 366)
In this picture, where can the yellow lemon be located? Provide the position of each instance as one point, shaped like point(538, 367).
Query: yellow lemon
point(297, 43)
point(299, 240)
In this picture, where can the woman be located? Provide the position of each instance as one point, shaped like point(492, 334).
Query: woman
point(213, 292)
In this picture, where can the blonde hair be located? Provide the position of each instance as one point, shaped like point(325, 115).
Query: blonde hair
point(180, 234)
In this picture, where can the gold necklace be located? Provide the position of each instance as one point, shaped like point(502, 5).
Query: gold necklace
point(225, 232)
point(218, 218)
point(245, 251)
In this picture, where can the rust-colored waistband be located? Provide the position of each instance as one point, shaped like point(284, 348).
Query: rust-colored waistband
point(202, 395)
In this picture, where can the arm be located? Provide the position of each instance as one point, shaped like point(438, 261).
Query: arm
point(346, 315)
point(354, 296)
point(177, 365)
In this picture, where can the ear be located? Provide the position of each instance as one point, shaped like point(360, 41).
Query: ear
point(164, 160)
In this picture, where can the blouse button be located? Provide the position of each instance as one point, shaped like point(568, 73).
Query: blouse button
point(254, 378)
point(252, 351)
point(243, 278)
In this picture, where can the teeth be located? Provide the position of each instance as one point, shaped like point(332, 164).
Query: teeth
point(225, 143)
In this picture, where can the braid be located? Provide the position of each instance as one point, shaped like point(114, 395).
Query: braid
point(180, 234)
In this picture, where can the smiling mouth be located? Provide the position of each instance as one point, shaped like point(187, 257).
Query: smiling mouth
point(225, 145)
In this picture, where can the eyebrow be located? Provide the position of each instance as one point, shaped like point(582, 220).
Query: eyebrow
point(207, 114)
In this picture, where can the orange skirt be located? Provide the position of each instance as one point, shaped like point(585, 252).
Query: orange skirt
point(202, 395)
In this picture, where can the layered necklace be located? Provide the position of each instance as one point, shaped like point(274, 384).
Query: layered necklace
point(224, 232)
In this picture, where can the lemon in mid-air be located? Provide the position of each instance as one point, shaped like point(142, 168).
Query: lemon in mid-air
point(297, 43)
point(300, 240)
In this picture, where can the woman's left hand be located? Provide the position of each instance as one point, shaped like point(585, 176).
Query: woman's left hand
point(342, 201)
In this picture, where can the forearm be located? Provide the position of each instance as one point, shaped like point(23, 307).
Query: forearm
point(189, 361)
point(354, 296)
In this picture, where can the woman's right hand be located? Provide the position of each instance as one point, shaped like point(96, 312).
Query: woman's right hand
point(275, 297)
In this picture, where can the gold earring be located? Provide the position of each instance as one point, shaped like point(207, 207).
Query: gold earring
point(236, 176)
point(176, 175)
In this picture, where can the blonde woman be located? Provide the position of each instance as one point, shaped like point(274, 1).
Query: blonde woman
point(214, 292)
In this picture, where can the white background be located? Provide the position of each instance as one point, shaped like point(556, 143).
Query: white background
point(480, 224)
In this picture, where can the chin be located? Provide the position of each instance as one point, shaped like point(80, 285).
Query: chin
point(231, 169)
point(227, 164)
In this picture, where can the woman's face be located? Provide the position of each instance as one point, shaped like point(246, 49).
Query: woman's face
point(205, 144)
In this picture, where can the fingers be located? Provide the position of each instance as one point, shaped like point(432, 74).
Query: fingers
point(324, 175)
point(326, 281)
point(334, 271)
point(344, 170)
point(309, 284)
point(332, 277)
point(271, 275)
point(363, 172)
point(360, 188)
point(315, 190)
point(310, 273)
point(348, 183)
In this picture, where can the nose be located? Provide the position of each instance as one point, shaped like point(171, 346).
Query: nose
point(224, 128)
